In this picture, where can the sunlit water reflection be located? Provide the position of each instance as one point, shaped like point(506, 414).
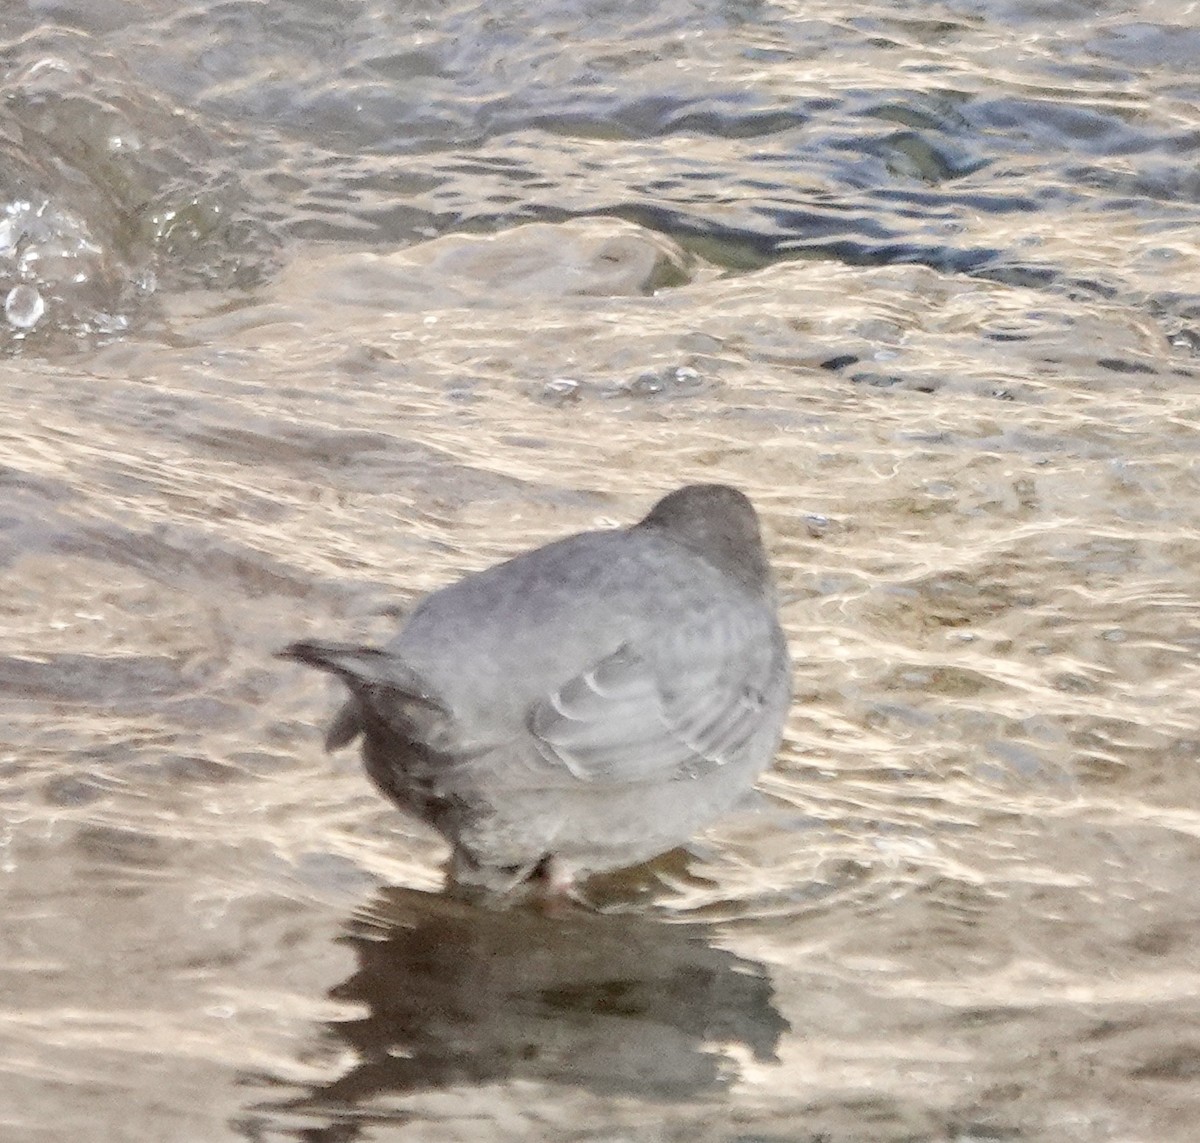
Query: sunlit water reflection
point(923, 284)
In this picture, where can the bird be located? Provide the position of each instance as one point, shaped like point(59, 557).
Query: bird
point(584, 706)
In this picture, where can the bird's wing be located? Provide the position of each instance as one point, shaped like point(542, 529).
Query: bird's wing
point(681, 708)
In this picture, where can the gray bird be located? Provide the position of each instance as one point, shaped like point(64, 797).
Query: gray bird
point(584, 706)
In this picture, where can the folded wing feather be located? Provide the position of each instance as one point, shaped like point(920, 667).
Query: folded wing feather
point(685, 706)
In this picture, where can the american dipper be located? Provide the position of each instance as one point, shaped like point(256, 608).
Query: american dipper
point(584, 706)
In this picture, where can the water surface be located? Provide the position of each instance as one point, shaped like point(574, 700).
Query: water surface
point(310, 308)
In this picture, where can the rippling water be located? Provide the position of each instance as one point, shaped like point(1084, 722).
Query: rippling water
point(310, 308)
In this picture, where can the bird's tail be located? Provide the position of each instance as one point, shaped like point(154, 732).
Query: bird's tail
point(378, 680)
point(363, 665)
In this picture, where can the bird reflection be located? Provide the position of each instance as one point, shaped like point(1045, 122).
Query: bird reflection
point(455, 993)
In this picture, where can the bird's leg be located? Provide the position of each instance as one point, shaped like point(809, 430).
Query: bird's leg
point(555, 886)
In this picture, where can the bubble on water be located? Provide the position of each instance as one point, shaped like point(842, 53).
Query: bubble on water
point(648, 383)
point(110, 323)
point(561, 390)
point(671, 380)
point(127, 142)
point(9, 233)
point(23, 307)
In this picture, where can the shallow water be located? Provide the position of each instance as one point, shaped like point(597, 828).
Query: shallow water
point(321, 305)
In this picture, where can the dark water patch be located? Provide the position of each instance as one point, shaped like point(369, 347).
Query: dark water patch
point(454, 993)
point(1186, 338)
point(1178, 1065)
point(1149, 45)
point(1117, 365)
point(110, 681)
point(907, 383)
point(840, 362)
point(661, 117)
point(1145, 189)
point(1108, 131)
point(197, 770)
point(361, 458)
point(71, 791)
point(176, 554)
point(30, 519)
point(112, 849)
